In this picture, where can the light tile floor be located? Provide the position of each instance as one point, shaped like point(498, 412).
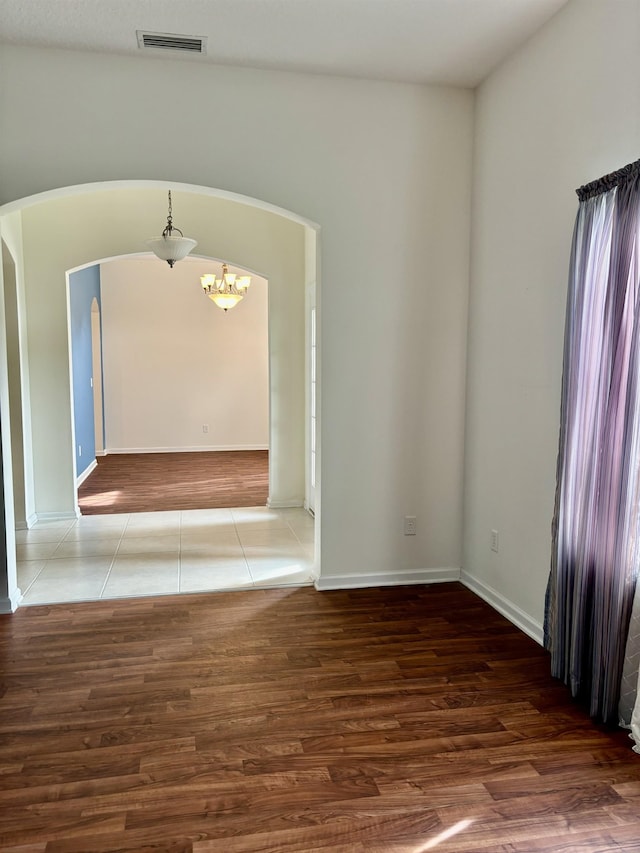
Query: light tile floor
point(155, 553)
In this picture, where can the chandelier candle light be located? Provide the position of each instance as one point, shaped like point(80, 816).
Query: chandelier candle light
point(227, 291)
point(169, 247)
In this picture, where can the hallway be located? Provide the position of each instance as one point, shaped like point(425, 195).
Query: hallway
point(138, 554)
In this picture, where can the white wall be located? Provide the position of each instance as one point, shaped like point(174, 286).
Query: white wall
point(385, 171)
point(11, 230)
point(9, 273)
point(9, 592)
point(561, 112)
point(174, 362)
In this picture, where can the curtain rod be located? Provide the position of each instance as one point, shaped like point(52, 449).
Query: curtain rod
point(608, 182)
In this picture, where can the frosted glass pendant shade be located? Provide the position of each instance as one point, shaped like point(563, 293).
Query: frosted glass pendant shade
point(225, 300)
point(171, 249)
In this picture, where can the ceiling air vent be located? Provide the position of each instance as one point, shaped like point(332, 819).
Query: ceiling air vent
point(171, 41)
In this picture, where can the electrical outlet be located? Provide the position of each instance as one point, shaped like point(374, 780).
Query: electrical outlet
point(409, 525)
point(205, 427)
point(494, 541)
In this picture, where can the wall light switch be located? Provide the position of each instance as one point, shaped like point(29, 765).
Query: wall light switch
point(205, 427)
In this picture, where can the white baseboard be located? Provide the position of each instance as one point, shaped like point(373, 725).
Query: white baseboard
point(412, 576)
point(195, 449)
point(102, 452)
point(284, 504)
point(82, 477)
point(57, 516)
point(28, 524)
point(9, 604)
point(508, 609)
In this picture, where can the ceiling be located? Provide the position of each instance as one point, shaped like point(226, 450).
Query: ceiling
point(454, 42)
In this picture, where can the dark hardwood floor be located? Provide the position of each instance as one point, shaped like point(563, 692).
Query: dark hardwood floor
point(152, 482)
point(394, 720)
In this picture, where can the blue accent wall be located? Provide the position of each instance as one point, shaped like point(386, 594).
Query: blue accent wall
point(84, 287)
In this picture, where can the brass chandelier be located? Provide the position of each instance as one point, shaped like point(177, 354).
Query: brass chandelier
point(226, 291)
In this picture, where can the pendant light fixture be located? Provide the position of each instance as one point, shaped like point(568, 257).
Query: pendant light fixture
point(169, 247)
point(227, 291)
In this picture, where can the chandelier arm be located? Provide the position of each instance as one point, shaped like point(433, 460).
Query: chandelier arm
point(169, 228)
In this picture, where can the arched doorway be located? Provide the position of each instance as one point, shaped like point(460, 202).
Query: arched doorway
point(110, 220)
point(185, 387)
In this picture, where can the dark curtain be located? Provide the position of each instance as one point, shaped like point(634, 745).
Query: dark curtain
point(595, 549)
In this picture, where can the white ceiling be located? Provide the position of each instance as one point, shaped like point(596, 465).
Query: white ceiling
point(454, 42)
